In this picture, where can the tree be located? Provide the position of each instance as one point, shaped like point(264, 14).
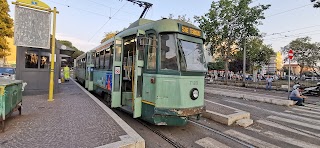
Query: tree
point(316, 3)
point(6, 24)
point(228, 23)
point(258, 54)
point(306, 54)
point(181, 18)
point(69, 44)
point(108, 36)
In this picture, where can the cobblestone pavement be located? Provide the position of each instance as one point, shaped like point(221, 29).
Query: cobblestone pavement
point(71, 120)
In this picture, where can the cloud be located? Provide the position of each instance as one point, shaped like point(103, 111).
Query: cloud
point(79, 43)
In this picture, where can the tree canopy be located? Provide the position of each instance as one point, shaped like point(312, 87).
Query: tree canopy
point(108, 35)
point(181, 18)
point(316, 3)
point(305, 53)
point(69, 44)
point(6, 24)
point(228, 23)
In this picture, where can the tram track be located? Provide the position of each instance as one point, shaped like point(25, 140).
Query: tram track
point(243, 143)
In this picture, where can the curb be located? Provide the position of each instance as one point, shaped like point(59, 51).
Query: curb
point(131, 140)
point(226, 119)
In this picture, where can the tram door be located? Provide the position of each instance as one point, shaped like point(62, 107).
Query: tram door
point(117, 74)
point(137, 80)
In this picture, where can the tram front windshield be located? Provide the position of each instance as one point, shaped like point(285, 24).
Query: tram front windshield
point(189, 55)
point(193, 56)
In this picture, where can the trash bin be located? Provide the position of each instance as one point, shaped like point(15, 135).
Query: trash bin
point(10, 99)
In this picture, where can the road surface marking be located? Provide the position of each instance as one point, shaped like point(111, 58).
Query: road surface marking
point(310, 108)
point(292, 141)
point(295, 122)
point(279, 126)
point(210, 143)
point(306, 110)
point(296, 117)
point(304, 114)
point(251, 140)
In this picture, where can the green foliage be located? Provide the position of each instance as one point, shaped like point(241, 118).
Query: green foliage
point(258, 54)
point(108, 36)
point(228, 23)
point(316, 3)
point(6, 24)
point(181, 18)
point(218, 65)
point(69, 44)
point(305, 53)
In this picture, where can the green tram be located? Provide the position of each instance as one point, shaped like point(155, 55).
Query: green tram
point(153, 69)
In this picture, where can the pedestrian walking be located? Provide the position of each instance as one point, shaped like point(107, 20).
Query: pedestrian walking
point(269, 83)
point(296, 95)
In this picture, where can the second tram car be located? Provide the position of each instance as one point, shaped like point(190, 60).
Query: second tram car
point(153, 69)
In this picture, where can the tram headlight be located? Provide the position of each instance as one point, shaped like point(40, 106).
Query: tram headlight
point(194, 93)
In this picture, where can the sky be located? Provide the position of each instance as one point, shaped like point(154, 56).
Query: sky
point(84, 22)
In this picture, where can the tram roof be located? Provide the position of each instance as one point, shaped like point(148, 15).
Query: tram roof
point(163, 25)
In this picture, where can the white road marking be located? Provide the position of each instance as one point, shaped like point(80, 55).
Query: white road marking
point(251, 140)
point(210, 143)
point(289, 140)
point(296, 117)
point(307, 111)
point(279, 126)
point(295, 122)
point(304, 114)
point(310, 108)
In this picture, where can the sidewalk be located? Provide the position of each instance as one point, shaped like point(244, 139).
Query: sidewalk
point(74, 119)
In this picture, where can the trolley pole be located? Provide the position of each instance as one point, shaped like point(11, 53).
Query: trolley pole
point(53, 48)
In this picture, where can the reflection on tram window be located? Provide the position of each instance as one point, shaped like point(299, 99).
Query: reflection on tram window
point(152, 53)
point(194, 56)
point(168, 52)
point(44, 61)
point(31, 59)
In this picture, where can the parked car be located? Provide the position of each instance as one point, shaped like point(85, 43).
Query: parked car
point(8, 73)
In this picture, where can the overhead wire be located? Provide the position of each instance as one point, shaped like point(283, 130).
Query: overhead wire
point(100, 4)
point(279, 33)
point(288, 10)
point(106, 22)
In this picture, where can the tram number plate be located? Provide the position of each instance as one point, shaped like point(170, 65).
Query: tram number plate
point(117, 70)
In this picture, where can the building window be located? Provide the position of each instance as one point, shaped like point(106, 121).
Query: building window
point(44, 61)
point(31, 59)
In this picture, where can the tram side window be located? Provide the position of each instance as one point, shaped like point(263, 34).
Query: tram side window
point(111, 57)
point(97, 60)
point(168, 52)
point(107, 59)
point(152, 50)
point(101, 57)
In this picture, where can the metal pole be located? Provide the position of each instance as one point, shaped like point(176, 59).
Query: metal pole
point(289, 78)
point(244, 62)
point(53, 46)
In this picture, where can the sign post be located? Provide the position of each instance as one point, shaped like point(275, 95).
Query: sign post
point(290, 56)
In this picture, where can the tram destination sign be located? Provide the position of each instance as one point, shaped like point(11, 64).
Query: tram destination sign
point(190, 31)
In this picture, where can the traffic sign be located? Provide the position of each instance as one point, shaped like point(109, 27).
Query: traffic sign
point(290, 54)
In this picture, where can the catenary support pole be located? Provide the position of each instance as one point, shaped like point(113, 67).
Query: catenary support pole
point(53, 46)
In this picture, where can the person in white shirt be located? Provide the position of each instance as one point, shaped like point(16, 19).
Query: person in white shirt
point(269, 83)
